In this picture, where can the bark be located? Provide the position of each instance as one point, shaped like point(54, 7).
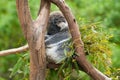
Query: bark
point(34, 33)
point(78, 44)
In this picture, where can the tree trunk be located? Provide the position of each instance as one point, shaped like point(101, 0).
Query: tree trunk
point(34, 32)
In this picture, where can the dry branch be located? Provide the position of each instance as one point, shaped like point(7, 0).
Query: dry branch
point(14, 51)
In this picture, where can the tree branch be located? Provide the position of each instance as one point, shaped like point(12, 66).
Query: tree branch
point(24, 16)
point(37, 44)
point(14, 51)
point(43, 14)
point(78, 44)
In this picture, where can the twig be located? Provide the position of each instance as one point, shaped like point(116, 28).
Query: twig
point(14, 51)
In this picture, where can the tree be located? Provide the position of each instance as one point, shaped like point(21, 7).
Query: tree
point(34, 32)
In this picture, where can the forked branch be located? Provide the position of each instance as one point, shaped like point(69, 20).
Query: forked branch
point(34, 33)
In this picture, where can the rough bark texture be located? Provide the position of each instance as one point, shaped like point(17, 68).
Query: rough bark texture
point(34, 33)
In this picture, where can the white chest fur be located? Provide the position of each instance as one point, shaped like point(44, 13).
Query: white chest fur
point(55, 55)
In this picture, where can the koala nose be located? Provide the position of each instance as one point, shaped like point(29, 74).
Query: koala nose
point(62, 25)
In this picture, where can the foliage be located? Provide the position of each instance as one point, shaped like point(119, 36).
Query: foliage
point(105, 11)
point(96, 46)
point(21, 67)
point(96, 42)
point(9, 25)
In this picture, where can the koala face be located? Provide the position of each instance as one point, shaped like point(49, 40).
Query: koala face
point(56, 23)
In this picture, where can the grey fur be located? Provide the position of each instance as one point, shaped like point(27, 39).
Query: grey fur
point(56, 37)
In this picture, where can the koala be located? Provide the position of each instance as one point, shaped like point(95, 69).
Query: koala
point(56, 37)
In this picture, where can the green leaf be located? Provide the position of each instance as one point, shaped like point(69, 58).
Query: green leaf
point(17, 66)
